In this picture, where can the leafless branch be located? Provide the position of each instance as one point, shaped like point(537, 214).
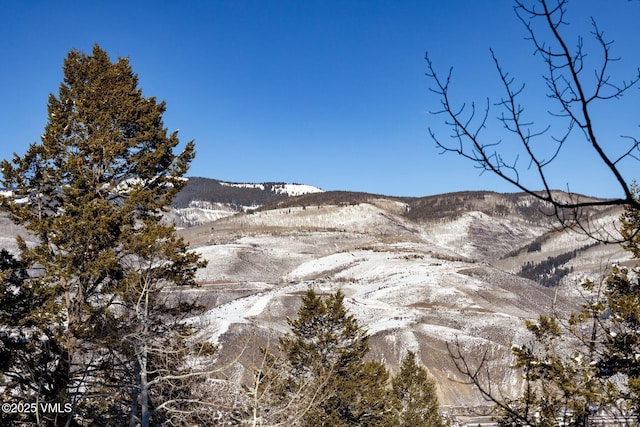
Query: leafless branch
point(574, 92)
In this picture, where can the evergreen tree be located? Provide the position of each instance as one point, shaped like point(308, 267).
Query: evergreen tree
point(324, 337)
point(93, 192)
point(587, 364)
point(27, 352)
point(321, 378)
point(621, 329)
point(561, 386)
point(415, 392)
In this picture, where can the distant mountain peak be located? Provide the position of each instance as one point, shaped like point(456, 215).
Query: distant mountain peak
point(205, 199)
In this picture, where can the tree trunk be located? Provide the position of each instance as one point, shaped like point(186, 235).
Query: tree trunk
point(135, 394)
point(144, 389)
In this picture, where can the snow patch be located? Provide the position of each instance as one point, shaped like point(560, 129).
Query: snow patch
point(296, 189)
point(216, 321)
point(242, 185)
point(286, 189)
point(321, 265)
point(200, 212)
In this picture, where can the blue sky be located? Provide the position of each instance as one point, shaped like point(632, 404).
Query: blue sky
point(327, 93)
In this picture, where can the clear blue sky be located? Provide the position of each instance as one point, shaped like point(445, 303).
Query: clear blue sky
point(327, 93)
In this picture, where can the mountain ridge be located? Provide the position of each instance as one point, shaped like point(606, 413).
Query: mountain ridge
point(240, 194)
point(233, 197)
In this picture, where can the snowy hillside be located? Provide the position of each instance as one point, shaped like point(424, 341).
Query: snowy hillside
point(199, 212)
point(415, 284)
point(204, 200)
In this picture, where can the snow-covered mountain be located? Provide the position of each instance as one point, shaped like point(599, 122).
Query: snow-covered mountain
point(420, 274)
point(203, 199)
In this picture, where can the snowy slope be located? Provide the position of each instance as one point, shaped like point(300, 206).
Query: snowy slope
point(199, 212)
point(414, 285)
point(295, 189)
point(205, 200)
point(277, 188)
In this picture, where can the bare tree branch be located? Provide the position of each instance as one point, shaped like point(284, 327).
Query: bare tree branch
point(575, 93)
